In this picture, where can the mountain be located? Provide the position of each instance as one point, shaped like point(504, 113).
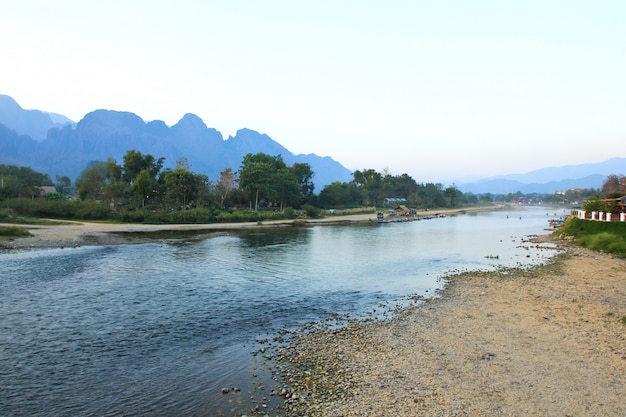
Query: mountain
point(33, 123)
point(66, 149)
point(549, 180)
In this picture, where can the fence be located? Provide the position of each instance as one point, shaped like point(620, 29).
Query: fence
point(600, 216)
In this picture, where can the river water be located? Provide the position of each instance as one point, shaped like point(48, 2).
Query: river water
point(160, 328)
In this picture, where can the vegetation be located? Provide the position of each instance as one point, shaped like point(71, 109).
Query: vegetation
point(608, 237)
point(21, 182)
point(263, 188)
point(8, 232)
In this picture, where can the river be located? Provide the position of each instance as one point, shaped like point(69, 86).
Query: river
point(160, 328)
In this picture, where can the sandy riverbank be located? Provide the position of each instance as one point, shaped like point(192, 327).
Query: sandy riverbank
point(551, 342)
point(90, 233)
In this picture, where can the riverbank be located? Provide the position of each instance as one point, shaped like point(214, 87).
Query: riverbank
point(74, 234)
point(545, 342)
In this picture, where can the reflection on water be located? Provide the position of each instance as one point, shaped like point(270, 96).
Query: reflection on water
point(160, 328)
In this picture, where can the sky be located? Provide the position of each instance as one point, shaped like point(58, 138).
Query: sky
point(440, 90)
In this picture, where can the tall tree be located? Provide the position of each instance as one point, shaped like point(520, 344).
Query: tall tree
point(257, 176)
point(144, 168)
point(225, 185)
point(183, 187)
point(614, 185)
point(135, 162)
point(90, 183)
point(143, 186)
point(370, 185)
point(303, 175)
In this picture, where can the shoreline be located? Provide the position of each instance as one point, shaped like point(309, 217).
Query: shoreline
point(546, 341)
point(83, 233)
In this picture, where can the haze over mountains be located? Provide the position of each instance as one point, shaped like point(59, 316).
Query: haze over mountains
point(54, 144)
point(549, 180)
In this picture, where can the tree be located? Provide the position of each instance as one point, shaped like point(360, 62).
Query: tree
point(285, 187)
point(339, 194)
point(102, 180)
point(303, 175)
point(257, 175)
point(369, 183)
point(135, 162)
point(182, 186)
point(225, 185)
point(21, 181)
point(594, 203)
point(144, 168)
point(90, 182)
point(63, 185)
point(452, 195)
point(615, 185)
point(143, 186)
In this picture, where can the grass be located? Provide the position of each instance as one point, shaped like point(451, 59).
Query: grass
point(607, 237)
point(9, 232)
point(8, 217)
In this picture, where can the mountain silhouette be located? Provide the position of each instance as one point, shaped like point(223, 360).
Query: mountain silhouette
point(67, 149)
point(33, 123)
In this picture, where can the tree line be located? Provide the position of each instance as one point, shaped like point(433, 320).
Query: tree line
point(262, 181)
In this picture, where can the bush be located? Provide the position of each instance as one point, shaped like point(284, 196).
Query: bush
point(13, 231)
point(311, 211)
point(290, 213)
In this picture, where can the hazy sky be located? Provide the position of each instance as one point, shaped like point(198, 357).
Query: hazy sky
point(437, 89)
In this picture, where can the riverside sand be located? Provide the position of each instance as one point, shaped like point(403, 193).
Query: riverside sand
point(545, 342)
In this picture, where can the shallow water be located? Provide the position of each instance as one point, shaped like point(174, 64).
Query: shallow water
point(160, 328)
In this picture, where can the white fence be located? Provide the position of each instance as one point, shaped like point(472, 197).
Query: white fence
point(600, 216)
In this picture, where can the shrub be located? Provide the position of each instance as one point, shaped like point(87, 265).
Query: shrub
point(290, 213)
point(13, 231)
point(311, 211)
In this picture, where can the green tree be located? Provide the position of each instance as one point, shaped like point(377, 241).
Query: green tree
point(21, 182)
point(303, 175)
point(339, 194)
point(143, 168)
point(90, 183)
point(101, 181)
point(182, 187)
point(452, 196)
point(257, 176)
point(135, 162)
point(370, 186)
point(594, 203)
point(143, 186)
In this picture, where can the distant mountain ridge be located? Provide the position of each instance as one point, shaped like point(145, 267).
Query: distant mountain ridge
point(549, 180)
point(34, 123)
point(67, 148)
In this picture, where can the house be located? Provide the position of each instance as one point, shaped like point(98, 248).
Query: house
point(392, 201)
point(47, 189)
point(402, 210)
